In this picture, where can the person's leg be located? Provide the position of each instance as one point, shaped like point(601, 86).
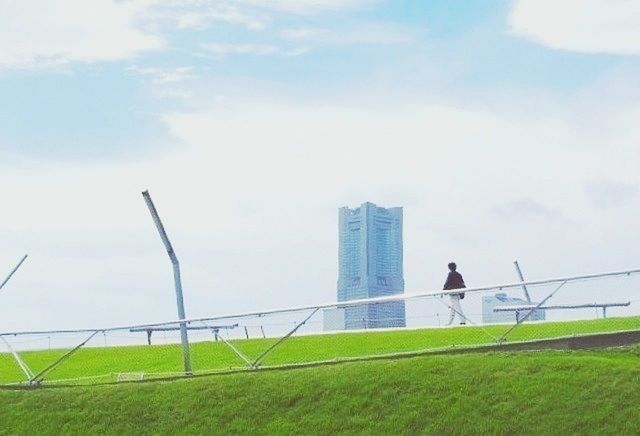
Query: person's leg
point(458, 308)
point(452, 311)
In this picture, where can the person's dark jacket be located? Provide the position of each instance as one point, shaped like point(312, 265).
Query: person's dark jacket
point(455, 281)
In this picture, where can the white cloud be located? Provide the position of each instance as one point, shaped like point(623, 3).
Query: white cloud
point(203, 17)
point(161, 76)
point(41, 33)
point(37, 33)
point(358, 34)
point(587, 26)
point(308, 6)
point(221, 49)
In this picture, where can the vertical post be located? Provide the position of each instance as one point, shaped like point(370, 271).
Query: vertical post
point(176, 279)
point(521, 277)
point(13, 271)
point(604, 312)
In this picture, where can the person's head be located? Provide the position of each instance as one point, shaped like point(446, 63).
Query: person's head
point(452, 266)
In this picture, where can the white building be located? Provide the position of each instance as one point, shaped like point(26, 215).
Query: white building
point(489, 302)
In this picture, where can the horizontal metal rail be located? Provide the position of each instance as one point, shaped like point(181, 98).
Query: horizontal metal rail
point(559, 306)
point(338, 304)
point(177, 328)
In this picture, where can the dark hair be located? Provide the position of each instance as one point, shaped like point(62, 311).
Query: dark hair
point(452, 266)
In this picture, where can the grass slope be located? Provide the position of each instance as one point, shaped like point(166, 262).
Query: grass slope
point(550, 392)
point(93, 361)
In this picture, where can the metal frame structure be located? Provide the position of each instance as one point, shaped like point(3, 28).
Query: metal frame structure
point(530, 306)
point(261, 357)
point(150, 331)
point(521, 277)
point(533, 309)
point(336, 304)
point(256, 364)
point(184, 337)
point(602, 306)
point(23, 366)
point(39, 377)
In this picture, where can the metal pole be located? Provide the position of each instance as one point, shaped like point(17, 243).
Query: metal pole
point(559, 306)
point(521, 277)
point(176, 279)
point(524, 318)
point(13, 271)
point(256, 363)
point(216, 334)
point(27, 371)
point(233, 348)
point(40, 376)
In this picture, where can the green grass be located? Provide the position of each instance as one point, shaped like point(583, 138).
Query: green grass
point(549, 392)
point(107, 361)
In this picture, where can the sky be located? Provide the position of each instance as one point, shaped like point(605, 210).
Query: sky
point(506, 129)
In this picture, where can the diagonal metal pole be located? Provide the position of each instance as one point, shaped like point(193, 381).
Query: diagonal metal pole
point(186, 356)
point(524, 318)
point(23, 366)
point(13, 271)
point(40, 376)
point(521, 277)
point(234, 348)
point(229, 344)
point(256, 363)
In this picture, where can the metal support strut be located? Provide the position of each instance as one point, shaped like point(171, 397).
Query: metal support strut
point(13, 271)
point(524, 318)
point(23, 366)
point(218, 336)
point(233, 347)
point(39, 377)
point(256, 363)
point(521, 277)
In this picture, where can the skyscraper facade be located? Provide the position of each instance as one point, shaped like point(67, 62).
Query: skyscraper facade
point(370, 265)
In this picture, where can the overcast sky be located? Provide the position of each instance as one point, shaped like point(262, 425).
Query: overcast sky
point(506, 129)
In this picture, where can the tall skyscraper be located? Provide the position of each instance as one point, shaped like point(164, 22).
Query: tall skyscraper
point(370, 265)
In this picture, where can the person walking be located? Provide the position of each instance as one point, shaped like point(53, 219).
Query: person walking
point(455, 281)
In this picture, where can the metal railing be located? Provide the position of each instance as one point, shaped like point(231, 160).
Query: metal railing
point(294, 335)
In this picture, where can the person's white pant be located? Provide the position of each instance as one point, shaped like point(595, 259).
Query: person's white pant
point(456, 309)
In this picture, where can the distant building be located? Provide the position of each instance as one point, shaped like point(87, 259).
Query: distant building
point(370, 265)
point(491, 317)
point(334, 319)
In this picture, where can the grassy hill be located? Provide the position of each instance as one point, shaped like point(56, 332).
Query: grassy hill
point(549, 392)
point(160, 359)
